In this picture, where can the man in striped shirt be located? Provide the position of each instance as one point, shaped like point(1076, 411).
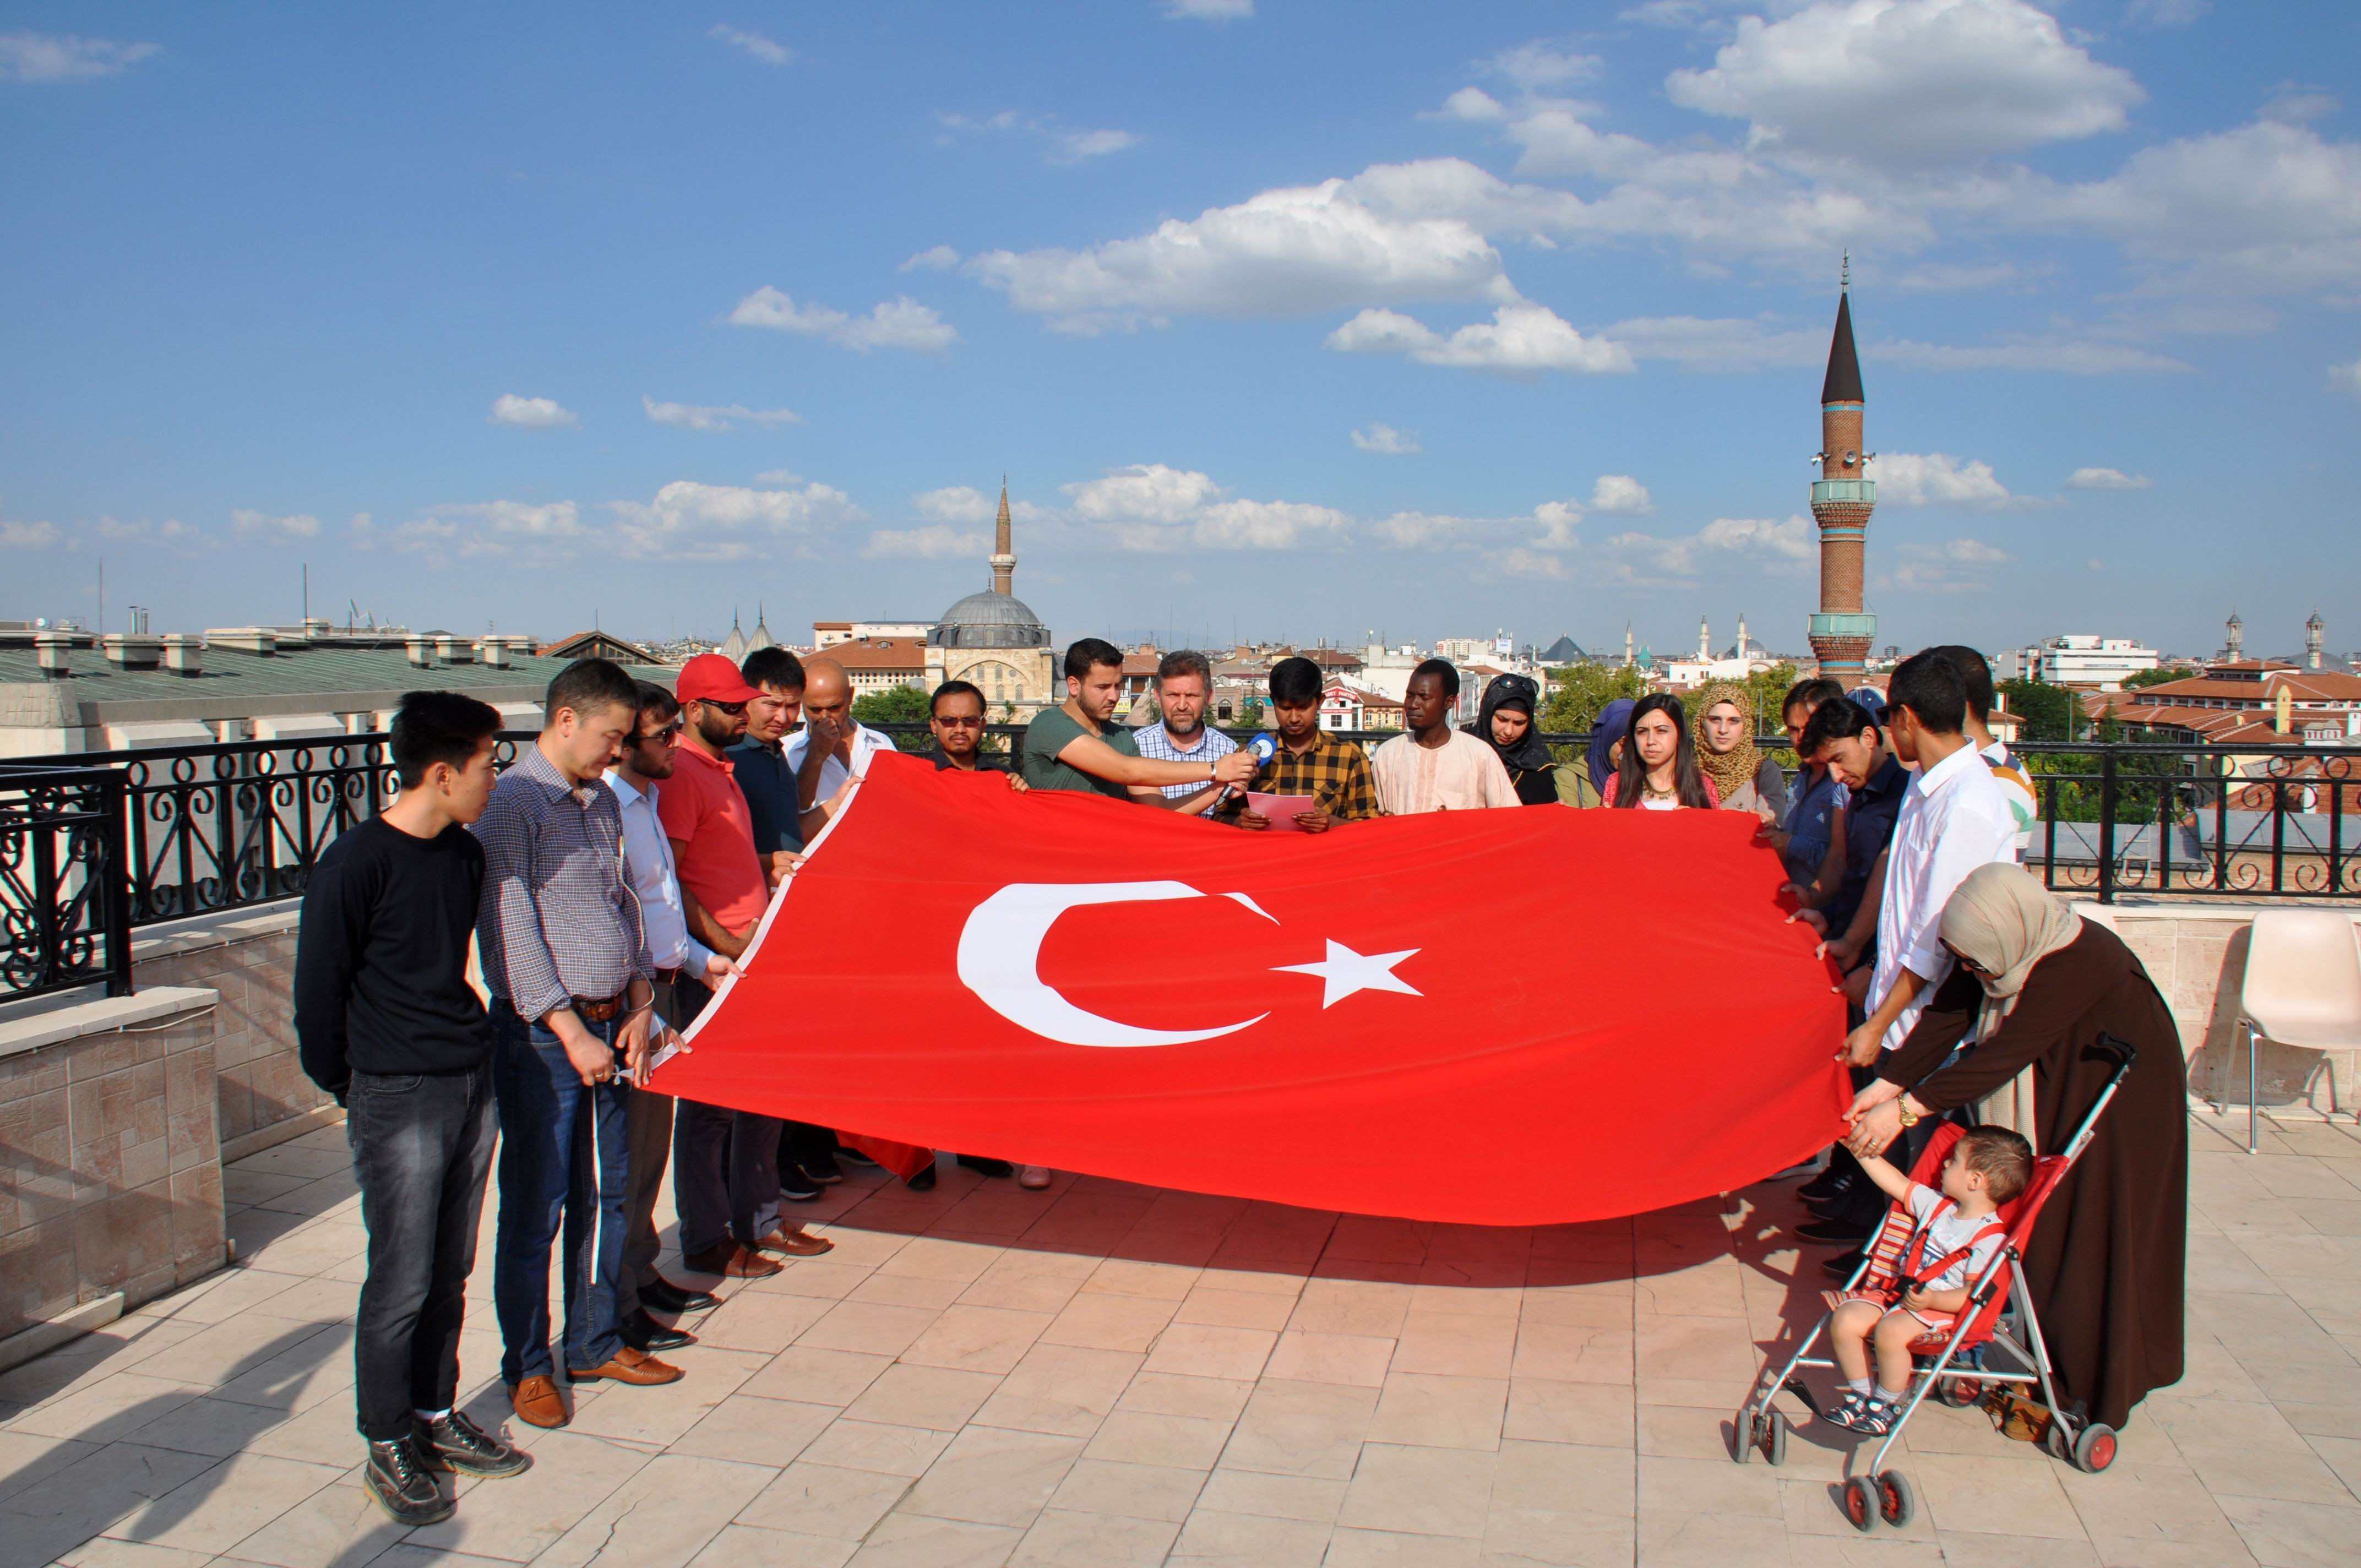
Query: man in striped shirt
point(1185, 684)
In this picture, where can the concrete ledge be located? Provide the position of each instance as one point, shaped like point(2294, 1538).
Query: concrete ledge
point(218, 929)
point(47, 1020)
point(271, 1137)
point(42, 1338)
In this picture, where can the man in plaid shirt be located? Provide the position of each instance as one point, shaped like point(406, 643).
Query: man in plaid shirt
point(1184, 684)
point(1310, 762)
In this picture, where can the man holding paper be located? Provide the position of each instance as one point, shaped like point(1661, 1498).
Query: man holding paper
point(1323, 779)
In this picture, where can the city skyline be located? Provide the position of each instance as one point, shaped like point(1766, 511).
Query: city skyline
point(1297, 321)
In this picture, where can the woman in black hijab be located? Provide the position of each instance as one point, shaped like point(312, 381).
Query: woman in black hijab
point(1506, 724)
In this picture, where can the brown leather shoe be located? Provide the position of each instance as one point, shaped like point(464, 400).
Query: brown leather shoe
point(537, 1402)
point(634, 1366)
point(797, 1243)
point(731, 1261)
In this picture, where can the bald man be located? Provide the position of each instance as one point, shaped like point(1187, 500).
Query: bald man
point(832, 747)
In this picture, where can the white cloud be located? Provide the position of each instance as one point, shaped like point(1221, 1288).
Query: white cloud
point(1387, 440)
point(2348, 377)
point(935, 258)
point(714, 416)
point(1946, 277)
point(900, 322)
point(1558, 521)
point(530, 413)
point(753, 45)
point(1956, 565)
point(934, 542)
point(1620, 493)
point(1518, 561)
point(1414, 529)
point(1765, 544)
point(1521, 339)
point(956, 503)
point(1473, 104)
point(1208, 10)
point(501, 530)
point(1729, 343)
point(689, 520)
point(14, 536)
point(1074, 146)
point(1151, 507)
point(2066, 355)
point(49, 57)
point(778, 476)
point(2106, 479)
point(2164, 13)
point(1936, 478)
point(1908, 82)
point(263, 525)
point(1544, 63)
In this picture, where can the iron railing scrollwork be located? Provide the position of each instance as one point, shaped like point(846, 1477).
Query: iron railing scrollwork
point(65, 907)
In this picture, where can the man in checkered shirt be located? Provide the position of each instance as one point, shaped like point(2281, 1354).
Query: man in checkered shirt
point(1184, 684)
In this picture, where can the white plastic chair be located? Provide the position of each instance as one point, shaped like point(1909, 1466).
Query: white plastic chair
point(2303, 989)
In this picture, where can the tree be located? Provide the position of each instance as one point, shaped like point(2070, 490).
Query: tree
point(895, 704)
point(2140, 679)
point(2048, 712)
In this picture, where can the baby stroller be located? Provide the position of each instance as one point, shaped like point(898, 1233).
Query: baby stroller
point(1949, 1361)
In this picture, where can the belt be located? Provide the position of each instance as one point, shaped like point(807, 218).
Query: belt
point(669, 976)
point(601, 1011)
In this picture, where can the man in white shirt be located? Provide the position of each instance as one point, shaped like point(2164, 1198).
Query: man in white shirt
point(1435, 767)
point(832, 747)
point(1953, 821)
point(2007, 771)
point(646, 760)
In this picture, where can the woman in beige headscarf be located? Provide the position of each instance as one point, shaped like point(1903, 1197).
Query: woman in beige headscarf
point(1743, 776)
point(2039, 986)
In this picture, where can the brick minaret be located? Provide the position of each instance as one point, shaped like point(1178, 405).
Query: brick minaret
point(1843, 499)
point(1004, 552)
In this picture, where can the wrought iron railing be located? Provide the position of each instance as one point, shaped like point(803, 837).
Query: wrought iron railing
point(64, 897)
point(93, 845)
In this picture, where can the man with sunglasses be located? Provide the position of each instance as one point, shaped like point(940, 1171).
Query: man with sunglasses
point(725, 1172)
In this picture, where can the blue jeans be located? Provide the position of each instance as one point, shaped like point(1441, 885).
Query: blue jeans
point(565, 1162)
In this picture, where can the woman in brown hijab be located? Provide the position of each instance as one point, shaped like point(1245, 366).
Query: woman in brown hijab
point(1743, 776)
point(2035, 986)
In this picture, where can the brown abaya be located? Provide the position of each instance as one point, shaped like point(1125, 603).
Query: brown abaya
point(2104, 1263)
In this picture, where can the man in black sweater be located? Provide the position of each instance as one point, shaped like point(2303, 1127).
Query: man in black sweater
point(388, 1023)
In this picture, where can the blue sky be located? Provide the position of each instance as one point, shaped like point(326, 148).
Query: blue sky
point(1295, 319)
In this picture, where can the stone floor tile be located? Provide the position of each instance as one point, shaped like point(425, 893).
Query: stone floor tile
point(1099, 1320)
point(1566, 1478)
point(337, 1525)
point(995, 1477)
point(1419, 1491)
point(1184, 1442)
point(877, 1445)
point(1059, 1388)
point(2284, 1534)
point(1369, 1308)
point(1302, 1429)
point(978, 1339)
point(1697, 1347)
point(1603, 1305)
point(1670, 1489)
point(103, 1552)
point(1206, 1350)
point(1304, 1356)
point(1977, 1549)
point(920, 1396)
point(661, 1415)
point(1353, 1548)
point(825, 1500)
point(1548, 1411)
point(2246, 1449)
point(1169, 1393)
point(1522, 1538)
point(867, 1328)
point(919, 1540)
point(1964, 1492)
point(1572, 1352)
point(1707, 1290)
point(746, 1546)
point(931, 1257)
point(1440, 1412)
point(217, 1427)
point(1235, 1309)
point(1060, 1539)
point(519, 1517)
point(86, 1497)
point(1211, 1540)
point(108, 1409)
point(1134, 1277)
point(746, 1426)
point(919, 1290)
point(818, 1376)
point(1135, 1491)
point(762, 1321)
point(1456, 1345)
point(831, 1277)
point(27, 1459)
point(1001, 1286)
point(217, 1509)
point(1307, 1497)
point(662, 1516)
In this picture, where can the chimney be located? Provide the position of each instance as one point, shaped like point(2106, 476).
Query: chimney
point(316, 626)
point(53, 650)
point(454, 651)
point(131, 651)
point(2283, 712)
point(184, 656)
point(495, 652)
point(421, 650)
point(259, 640)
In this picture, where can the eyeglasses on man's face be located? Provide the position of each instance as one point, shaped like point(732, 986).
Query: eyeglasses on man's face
point(732, 709)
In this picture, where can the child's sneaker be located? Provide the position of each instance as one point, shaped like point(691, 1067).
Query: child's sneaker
point(1876, 1416)
point(1849, 1410)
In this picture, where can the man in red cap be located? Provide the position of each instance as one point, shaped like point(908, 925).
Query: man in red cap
point(724, 1169)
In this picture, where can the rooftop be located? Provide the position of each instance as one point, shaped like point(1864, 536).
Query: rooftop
point(1103, 1374)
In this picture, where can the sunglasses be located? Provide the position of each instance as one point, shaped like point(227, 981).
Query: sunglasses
point(668, 734)
point(731, 708)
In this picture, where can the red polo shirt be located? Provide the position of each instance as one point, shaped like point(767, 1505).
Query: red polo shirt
point(705, 819)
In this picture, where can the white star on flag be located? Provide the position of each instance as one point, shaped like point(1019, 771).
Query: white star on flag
point(1344, 971)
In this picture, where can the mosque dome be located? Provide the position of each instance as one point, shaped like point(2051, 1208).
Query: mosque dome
point(990, 619)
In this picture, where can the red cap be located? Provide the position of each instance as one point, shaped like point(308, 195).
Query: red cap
point(709, 677)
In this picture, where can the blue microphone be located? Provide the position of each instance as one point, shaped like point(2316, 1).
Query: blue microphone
point(1263, 748)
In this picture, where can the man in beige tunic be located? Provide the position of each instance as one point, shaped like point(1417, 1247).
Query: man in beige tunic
point(1435, 767)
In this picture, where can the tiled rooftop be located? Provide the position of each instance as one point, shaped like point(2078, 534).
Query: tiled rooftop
point(1105, 1375)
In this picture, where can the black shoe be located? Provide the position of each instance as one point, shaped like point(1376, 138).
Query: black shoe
point(821, 1167)
point(855, 1157)
point(648, 1336)
point(922, 1180)
point(985, 1166)
point(667, 1297)
point(396, 1476)
point(454, 1442)
point(1841, 1265)
point(1837, 1230)
point(1828, 1186)
point(795, 1188)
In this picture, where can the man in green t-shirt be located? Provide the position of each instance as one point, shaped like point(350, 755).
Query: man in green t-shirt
point(1073, 746)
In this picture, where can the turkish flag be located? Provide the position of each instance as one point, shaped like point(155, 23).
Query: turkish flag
point(1503, 1017)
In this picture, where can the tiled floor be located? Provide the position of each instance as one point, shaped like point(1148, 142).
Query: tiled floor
point(1104, 1374)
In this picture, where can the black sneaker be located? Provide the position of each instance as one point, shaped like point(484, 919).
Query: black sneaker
point(454, 1442)
point(1838, 1230)
point(983, 1165)
point(1828, 1186)
point(822, 1168)
point(1841, 1265)
point(399, 1479)
point(796, 1188)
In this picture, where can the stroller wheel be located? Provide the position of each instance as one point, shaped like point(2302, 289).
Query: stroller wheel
point(1959, 1392)
point(1862, 1503)
point(2095, 1449)
point(1894, 1502)
point(1774, 1437)
point(1745, 1429)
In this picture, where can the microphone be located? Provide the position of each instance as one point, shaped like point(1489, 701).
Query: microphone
point(1263, 748)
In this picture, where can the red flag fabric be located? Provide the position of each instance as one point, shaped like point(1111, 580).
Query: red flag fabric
point(1501, 1018)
